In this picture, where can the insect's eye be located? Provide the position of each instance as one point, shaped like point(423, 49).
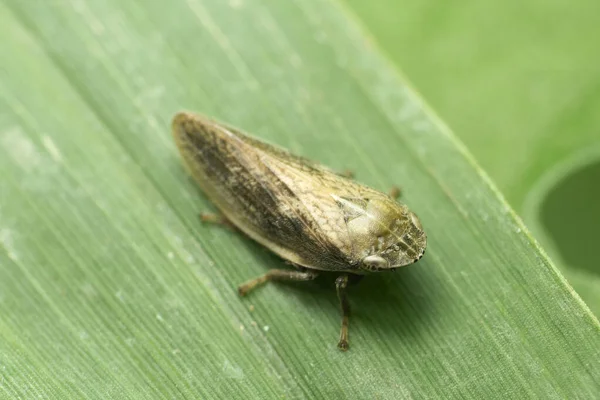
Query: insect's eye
point(374, 263)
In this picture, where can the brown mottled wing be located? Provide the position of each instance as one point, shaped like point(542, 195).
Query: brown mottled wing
point(276, 198)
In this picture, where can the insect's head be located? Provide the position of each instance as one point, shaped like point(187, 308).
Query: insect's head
point(401, 242)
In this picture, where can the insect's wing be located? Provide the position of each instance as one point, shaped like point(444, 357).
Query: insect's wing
point(266, 192)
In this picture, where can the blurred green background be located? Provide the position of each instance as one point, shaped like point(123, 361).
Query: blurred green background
point(519, 83)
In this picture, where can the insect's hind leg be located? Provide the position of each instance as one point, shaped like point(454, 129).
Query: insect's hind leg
point(277, 275)
point(217, 219)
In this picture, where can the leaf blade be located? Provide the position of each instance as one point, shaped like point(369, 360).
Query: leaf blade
point(135, 298)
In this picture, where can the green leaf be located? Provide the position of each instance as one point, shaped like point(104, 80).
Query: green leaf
point(518, 82)
point(111, 288)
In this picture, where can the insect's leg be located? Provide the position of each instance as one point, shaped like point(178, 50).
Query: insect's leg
point(277, 275)
point(341, 283)
point(218, 219)
point(395, 192)
point(347, 173)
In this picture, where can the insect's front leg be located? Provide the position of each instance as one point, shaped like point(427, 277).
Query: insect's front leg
point(347, 173)
point(277, 275)
point(395, 192)
point(341, 283)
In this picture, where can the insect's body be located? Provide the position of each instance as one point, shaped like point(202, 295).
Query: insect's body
point(300, 210)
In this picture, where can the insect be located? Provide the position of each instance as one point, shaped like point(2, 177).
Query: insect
point(315, 219)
